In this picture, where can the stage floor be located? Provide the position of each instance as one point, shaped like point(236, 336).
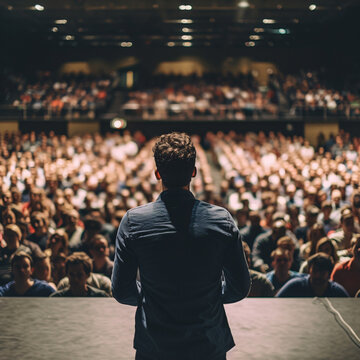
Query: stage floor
point(75, 328)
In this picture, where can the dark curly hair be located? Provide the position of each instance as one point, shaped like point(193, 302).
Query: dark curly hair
point(175, 156)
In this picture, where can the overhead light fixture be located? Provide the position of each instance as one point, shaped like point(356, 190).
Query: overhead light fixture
point(269, 21)
point(250, 44)
point(69, 37)
point(259, 30)
point(312, 7)
point(254, 37)
point(186, 37)
point(61, 21)
point(126, 44)
point(185, 7)
point(187, 44)
point(170, 44)
point(282, 31)
point(186, 30)
point(118, 123)
point(186, 21)
point(243, 4)
point(55, 29)
point(39, 7)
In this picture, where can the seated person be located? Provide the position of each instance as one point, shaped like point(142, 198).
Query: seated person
point(281, 263)
point(260, 285)
point(317, 283)
point(42, 269)
point(23, 284)
point(99, 251)
point(347, 273)
point(287, 243)
point(78, 270)
point(12, 236)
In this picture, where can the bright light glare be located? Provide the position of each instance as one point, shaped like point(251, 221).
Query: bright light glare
point(186, 21)
point(61, 21)
point(186, 30)
point(244, 4)
point(312, 7)
point(54, 29)
point(69, 37)
point(185, 7)
point(282, 31)
point(171, 44)
point(126, 44)
point(254, 37)
point(186, 37)
point(269, 21)
point(259, 30)
point(250, 44)
point(39, 7)
point(187, 44)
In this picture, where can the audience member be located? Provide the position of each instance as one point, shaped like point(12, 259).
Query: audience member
point(23, 284)
point(317, 283)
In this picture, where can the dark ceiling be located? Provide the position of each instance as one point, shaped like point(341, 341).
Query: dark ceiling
point(159, 23)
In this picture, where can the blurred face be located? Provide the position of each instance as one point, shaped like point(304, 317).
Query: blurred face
point(100, 249)
point(42, 270)
point(318, 277)
point(356, 250)
point(11, 239)
point(22, 270)
point(326, 248)
point(281, 263)
point(77, 276)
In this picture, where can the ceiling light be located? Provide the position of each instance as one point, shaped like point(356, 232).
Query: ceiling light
point(186, 37)
point(185, 7)
point(282, 31)
point(259, 30)
point(170, 44)
point(61, 21)
point(69, 37)
point(186, 21)
point(187, 44)
point(254, 37)
point(39, 7)
point(250, 44)
point(55, 29)
point(186, 30)
point(243, 4)
point(269, 21)
point(126, 44)
point(312, 7)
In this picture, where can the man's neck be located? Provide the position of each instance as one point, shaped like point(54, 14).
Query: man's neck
point(164, 188)
point(319, 290)
point(282, 276)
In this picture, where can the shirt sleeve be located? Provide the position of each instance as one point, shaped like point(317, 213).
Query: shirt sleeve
point(236, 277)
point(123, 280)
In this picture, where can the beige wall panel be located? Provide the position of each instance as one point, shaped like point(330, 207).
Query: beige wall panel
point(81, 128)
point(9, 126)
point(313, 130)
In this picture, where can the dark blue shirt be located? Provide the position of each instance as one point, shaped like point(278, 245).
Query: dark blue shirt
point(276, 283)
point(300, 287)
point(183, 248)
point(39, 289)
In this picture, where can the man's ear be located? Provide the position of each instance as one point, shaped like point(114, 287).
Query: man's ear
point(194, 172)
point(157, 175)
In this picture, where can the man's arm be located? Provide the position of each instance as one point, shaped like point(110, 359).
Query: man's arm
point(236, 282)
point(123, 280)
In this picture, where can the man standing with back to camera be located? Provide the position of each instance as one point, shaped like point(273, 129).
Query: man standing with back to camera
point(190, 261)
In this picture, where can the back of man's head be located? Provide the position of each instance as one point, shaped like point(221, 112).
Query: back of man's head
point(175, 156)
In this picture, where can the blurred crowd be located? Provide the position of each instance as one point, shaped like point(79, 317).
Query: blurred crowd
point(239, 97)
point(62, 199)
point(68, 95)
